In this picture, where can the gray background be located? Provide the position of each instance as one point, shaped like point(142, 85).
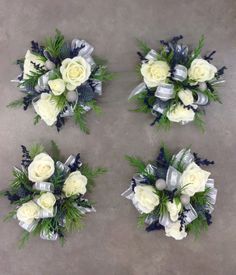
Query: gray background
point(111, 244)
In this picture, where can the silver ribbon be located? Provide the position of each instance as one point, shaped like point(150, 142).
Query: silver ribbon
point(44, 214)
point(65, 166)
point(84, 52)
point(201, 99)
point(138, 178)
point(180, 73)
point(211, 195)
point(91, 61)
point(151, 55)
point(43, 81)
point(69, 111)
point(49, 236)
point(190, 215)
point(181, 48)
point(172, 178)
point(128, 194)
point(137, 90)
point(43, 186)
point(165, 220)
point(150, 219)
point(185, 156)
point(150, 169)
point(85, 210)
point(17, 79)
point(98, 86)
point(165, 91)
point(159, 107)
point(216, 81)
point(28, 227)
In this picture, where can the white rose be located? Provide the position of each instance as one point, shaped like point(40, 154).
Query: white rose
point(186, 96)
point(181, 114)
point(47, 201)
point(193, 179)
point(174, 209)
point(173, 230)
point(57, 86)
point(201, 70)
point(155, 72)
point(28, 212)
point(75, 71)
point(47, 109)
point(75, 184)
point(41, 168)
point(28, 66)
point(145, 198)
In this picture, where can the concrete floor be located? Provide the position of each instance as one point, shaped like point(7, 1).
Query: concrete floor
point(111, 244)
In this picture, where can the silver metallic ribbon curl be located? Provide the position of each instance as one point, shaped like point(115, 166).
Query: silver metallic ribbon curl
point(201, 99)
point(165, 91)
point(65, 166)
point(86, 50)
point(159, 107)
point(180, 72)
